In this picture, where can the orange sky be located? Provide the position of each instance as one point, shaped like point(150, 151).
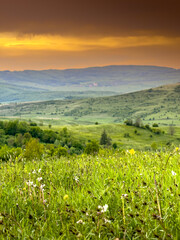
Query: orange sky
point(68, 34)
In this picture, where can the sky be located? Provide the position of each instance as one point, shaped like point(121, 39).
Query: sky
point(59, 34)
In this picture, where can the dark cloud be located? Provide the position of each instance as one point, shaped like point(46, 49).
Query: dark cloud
point(89, 17)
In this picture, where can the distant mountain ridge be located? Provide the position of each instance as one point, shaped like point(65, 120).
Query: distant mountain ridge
point(31, 85)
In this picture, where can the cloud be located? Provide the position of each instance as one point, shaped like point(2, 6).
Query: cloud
point(91, 17)
point(11, 42)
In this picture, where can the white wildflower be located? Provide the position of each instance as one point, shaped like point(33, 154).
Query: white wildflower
point(103, 208)
point(42, 187)
point(173, 173)
point(39, 179)
point(34, 172)
point(106, 220)
point(39, 170)
point(76, 179)
point(124, 196)
point(80, 222)
point(29, 183)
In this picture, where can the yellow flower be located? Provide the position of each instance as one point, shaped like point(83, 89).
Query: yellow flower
point(132, 152)
point(177, 148)
point(65, 197)
point(24, 189)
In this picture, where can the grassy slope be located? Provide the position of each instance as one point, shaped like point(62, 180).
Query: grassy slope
point(159, 105)
point(143, 140)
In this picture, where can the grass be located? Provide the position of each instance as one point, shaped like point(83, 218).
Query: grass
point(114, 195)
point(143, 139)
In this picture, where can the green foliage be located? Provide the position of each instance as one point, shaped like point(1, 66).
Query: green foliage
point(114, 145)
point(34, 149)
point(155, 125)
point(92, 148)
point(105, 140)
point(6, 153)
point(126, 135)
point(157, 131)
point(61, 151)
point(129, 122)
point(154, 146)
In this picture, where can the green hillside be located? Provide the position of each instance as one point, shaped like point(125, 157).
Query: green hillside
point(29, 85)
point(159, 105)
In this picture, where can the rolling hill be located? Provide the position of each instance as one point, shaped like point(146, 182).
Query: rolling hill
point(21, 86)
point(159, 105)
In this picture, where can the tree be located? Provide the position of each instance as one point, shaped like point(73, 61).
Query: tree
point(61, 151)
point(34, 149)
point(105, 140)
point(92, 148)
point(138, 122)
point(171, 130)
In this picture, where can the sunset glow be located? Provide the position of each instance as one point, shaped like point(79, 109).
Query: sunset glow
point(40, 35)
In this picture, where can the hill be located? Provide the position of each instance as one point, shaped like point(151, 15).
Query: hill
point(156, 104)
point(21, 86)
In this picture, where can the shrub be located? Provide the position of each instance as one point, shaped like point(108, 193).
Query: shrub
point(34, 149)
point(92, 148)
point(61, 151)
point(126, 135)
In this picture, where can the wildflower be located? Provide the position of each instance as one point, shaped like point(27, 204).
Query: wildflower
point(42, 187)
point(106, 220)
point(132, 152)
point(34, 172)
point(29, 183)
point(76, 179)
point(177, 148)
point(124, 195)
point(24, 189)
point(65, 197)
point(173, 173)
point(80, 222)
point(103, 208)
point(39, 179)
point(39, 170)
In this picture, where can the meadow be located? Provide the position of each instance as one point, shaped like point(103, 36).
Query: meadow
point(122, 194)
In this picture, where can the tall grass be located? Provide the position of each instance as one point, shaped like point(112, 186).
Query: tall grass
point(114, 195)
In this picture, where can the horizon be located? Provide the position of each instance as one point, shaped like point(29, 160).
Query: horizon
point(79, 68)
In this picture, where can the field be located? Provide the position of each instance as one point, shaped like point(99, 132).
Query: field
point(113, 195)
point(138, 138)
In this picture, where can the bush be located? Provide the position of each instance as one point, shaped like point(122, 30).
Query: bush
point(114, 145)
point(126, 135)
point(92, 148)
point(156, 131)
point(155, 125)
point(34, 149)
point(61, 151)
point(129, 122)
